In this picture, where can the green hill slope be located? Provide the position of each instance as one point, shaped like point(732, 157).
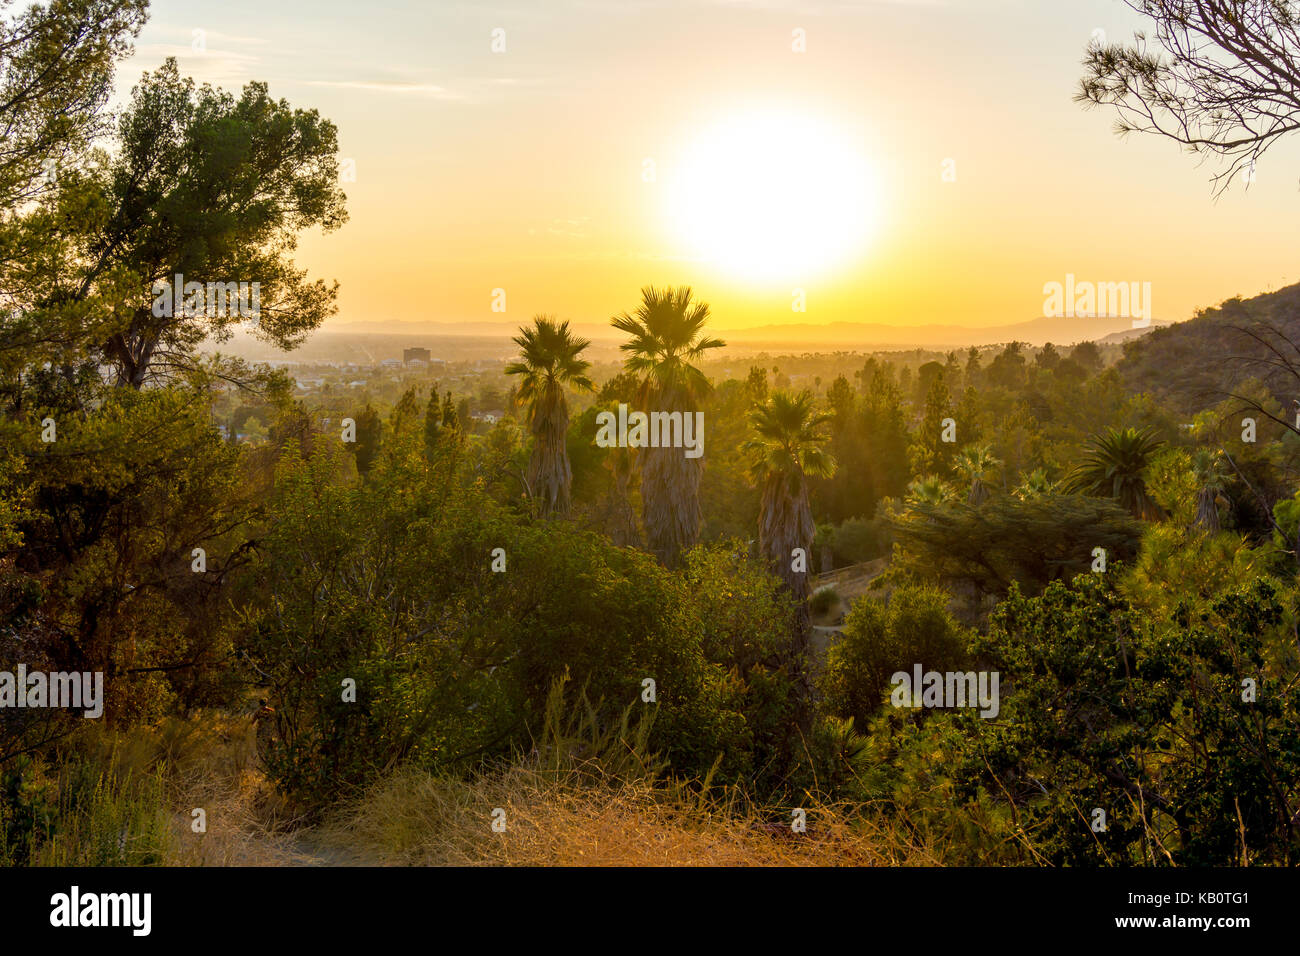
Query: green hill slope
point(1195, 364)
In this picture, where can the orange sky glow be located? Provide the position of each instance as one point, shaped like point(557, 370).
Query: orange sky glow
point(526, 169)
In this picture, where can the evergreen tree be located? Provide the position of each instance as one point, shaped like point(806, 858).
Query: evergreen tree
point(432, 423)
point(931, 454)
point(370, 428)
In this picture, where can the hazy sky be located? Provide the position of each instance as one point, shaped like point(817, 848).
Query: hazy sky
point(525, 169)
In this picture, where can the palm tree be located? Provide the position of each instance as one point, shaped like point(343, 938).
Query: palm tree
point(1113, 467)
point(929, 490)
point(668, 338)
point(976, 462)
point(1211, 480)
point(549, 360)
point(788, 448)
point(1035, 484)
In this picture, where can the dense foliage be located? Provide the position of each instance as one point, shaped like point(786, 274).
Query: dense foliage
point(381, 584)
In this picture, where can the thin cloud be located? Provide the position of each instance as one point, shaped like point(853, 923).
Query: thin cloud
point(212, 36)
point(398, 87)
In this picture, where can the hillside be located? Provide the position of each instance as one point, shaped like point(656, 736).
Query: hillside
point(1195, 364)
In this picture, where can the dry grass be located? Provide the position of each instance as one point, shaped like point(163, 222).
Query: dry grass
point(558, 812)
point(210, 763)
point(579, 820)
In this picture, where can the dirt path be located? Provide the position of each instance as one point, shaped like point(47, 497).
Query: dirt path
point(850, 584)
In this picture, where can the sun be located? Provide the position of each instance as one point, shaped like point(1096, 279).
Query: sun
point(778, 196)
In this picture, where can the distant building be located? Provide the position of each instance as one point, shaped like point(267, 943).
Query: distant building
point(416, 355)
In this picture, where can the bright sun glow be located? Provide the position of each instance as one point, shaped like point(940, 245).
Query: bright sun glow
point(776, 196)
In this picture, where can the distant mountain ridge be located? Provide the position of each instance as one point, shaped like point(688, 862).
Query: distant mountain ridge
point(854, 335)
point(1036, 332)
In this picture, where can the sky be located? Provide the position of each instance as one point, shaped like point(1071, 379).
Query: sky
point(612, 145)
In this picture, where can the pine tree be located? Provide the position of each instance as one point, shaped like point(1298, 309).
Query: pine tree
point(449, 419)
point(432, 424)
point(933, 455)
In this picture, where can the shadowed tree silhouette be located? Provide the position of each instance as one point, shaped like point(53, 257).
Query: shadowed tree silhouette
point(668, 338)
point(549, 361)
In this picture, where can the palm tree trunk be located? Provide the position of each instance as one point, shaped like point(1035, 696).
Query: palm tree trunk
point(1207, 511)
point(623, 529)
point(670, 493)
point(549, 474)
point(786, 524)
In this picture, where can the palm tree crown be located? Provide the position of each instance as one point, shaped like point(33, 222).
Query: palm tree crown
point(549, 360)
point(791, 441)
point(1113, 467)
point(929, 490)
point(1035, 484)
point(976, 463)
point(668, 337)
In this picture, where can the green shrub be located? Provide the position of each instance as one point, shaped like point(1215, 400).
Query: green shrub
point(1103, 700)
point(391, 585)
point(822, 600)
point(878, 640)
point(860, 539)
point(83, 812)
point(28, 811)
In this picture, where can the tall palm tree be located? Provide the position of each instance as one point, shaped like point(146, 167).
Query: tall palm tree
point(668, 338)
point(1211, 480)
point(1113, 467)
point(976, 464)
point(788, 448)
point(549, 360)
